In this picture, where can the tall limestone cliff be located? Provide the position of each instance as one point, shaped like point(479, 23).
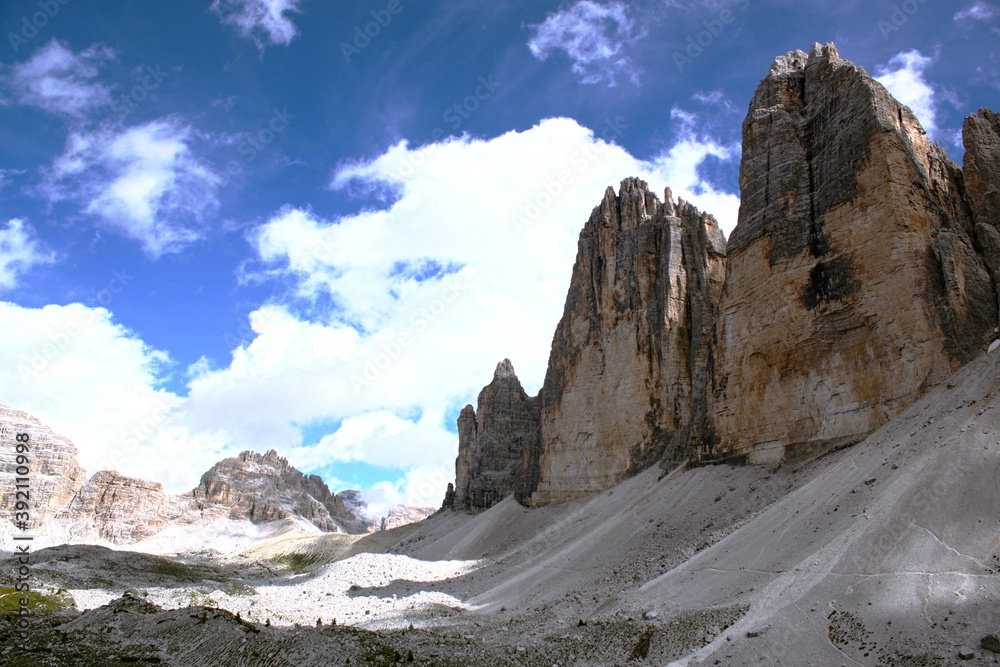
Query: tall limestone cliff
point(121, 509)
point(53, 472)
point(631, 358)
point(853, 283)
point(865, 268)
point(494, 442)
point(981, 136)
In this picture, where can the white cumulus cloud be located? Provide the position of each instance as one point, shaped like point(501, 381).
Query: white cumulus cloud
point(593, 36)
point(19, 252)
point(92, 380)
point(904, 77)
point(60, 81)
point(262, 21)
point(142, 181)
point(678, 167)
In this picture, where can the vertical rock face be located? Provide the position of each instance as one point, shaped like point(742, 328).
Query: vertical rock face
point(265, 487)
point(466, 463)
point(120, 509)
point(495, 442)
point(631, 358)
point(981, 136)
point(853, 284)
point(53, 472)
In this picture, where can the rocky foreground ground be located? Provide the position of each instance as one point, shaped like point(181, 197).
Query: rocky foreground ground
point(131, 630)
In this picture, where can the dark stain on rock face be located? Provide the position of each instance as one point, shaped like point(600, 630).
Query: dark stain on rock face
point(828, 281)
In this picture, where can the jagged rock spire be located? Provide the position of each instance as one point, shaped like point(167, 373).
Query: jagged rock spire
point(494, 441)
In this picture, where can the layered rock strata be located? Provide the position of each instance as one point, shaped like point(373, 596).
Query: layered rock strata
point(853, 284)
point(265, 487)
point(121, 509)
point(54, 476)
point(631, 361)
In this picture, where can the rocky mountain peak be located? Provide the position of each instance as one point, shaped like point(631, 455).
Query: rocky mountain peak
point(629, 372)
point(826, 51)
point(265, 487)
point(505, 370)
point(798, 61)
point(494, 442)
point(120, 509)
point(269, 459)
point(395, 516)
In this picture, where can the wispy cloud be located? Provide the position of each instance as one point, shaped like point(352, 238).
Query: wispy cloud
point(716, 98)
point(262, 21)
point(142, 181)
point(679, 166)
point(5, 175)
point(60, 81)
point(904, 77)
point(977, 11)
point(594, 36)
point(20, 250)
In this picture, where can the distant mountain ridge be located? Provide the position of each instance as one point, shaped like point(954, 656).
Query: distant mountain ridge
point(261, 489)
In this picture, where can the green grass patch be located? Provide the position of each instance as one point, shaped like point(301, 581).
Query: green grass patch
point(297, 562)
point(180, 571)
point(40, 603)
point(238, 588)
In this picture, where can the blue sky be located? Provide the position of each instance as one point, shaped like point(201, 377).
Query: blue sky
point(318, 226)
